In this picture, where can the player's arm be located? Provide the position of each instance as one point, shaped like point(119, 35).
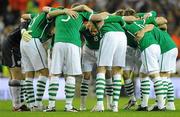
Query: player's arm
point(163, 27)
point(156, 21)
point(26, 16)
point(57, 12)
point(46, 9)
point(161, 20)
point(99, 17)
point(130, 18)
point(82, 8)
point(147, 28)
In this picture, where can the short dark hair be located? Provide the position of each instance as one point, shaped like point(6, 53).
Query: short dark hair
point(129, 11)
point(120, 12)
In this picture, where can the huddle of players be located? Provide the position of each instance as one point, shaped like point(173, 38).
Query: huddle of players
point(112, 41)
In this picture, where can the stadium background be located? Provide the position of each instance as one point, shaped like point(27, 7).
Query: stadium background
point(11, 10)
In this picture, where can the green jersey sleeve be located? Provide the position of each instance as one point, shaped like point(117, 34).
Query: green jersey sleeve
point(115, 19)
point(86, 15)
point(152, 14)
point(33, 15)
point(151, 20)
point(53, 9)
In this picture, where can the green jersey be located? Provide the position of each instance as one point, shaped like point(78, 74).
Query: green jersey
point(111, 26)
point(148, 38)
point(92, 41)
point(164, 40)
point(152, 14)
point(67, 28)
point(40, 26)
point(130, 40)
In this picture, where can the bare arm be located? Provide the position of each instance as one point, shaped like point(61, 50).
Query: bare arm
point(82, 8)
point(46, 9)
point(147, 28)
point(163, 27)
point(130, 18)
point(99, 16)
point(26, 16)
point(161, 20)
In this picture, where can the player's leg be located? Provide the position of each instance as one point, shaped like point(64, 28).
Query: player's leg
point(39, 62)
point(109, 88)
point(55, 71)
point(100, 87)
point(84, 89)
point(169, 64)
point(129, 87)
point(15, 88)
point(105, 58)
point(117, 77)
point(145, 90)
point(73, 69)
point(12, 58)
point(150, 59)
point(119, 59)
point(128, 75)
point(89, 59)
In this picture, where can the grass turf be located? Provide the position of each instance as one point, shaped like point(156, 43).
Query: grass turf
point(5, 111)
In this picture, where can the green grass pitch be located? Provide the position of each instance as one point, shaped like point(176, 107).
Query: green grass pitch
point(5, 111)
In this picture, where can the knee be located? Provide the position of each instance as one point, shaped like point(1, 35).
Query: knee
point(127, 74)
point(44, 72)
point(117, 70)
point(101, 69)
point(87, 75)
point(108, 74)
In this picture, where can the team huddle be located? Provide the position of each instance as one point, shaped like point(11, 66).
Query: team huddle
point(119, 45)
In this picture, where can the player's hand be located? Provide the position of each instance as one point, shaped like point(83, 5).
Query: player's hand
point(26, 35)
point(139, 35)
point(71, 13)
point(147, 15)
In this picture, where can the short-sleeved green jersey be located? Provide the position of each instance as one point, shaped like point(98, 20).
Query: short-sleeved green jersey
point(152, 14)
point(92, 41)
point(148, 38)
point(111, 26)
point(67, 28)
point(164, 40)
point(130, 40)
point(40, 26)
point(151, 20)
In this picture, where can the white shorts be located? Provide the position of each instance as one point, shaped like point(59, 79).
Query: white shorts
point(33, 54)
point(89, 59)
point(66, 58)
point(167, 61)
point(49, 58)
point(150, 57)
point(112, 51)
point(133, 59)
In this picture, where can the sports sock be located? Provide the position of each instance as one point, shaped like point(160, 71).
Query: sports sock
point(70, 91)
point(41, 85)
point(109, 91)
point(116, 88)
point(145, 90)
point(30, 91)
point(15, 88)
point(159, 91)
point(129, 87)
point(100, 87)
point(84, 91)
point(52, 91)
